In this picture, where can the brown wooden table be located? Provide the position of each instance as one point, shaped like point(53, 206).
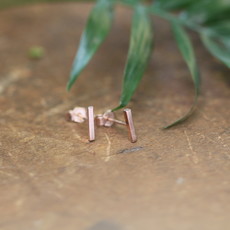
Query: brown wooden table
point(52, 178)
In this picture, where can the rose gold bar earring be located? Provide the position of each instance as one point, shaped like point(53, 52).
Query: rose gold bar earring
point(108, 119)
point(91, 123)
point(79, 115)
point(130, 125)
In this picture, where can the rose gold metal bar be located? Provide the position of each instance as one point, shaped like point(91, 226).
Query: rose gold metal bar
point(91, 124)
point(130, 125)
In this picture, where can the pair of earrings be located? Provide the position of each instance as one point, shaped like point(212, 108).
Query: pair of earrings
point(80, 114)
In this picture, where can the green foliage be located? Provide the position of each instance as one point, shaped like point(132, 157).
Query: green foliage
point(209, 18)
point(97, 28)
point(141, 44)
point(220, 48)
point(186, 49)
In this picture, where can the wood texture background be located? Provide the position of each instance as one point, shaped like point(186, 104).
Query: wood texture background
point(52, 178)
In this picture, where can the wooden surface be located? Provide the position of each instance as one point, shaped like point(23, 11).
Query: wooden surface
point(52, 178)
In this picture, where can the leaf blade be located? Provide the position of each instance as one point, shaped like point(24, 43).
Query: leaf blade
point(97, 29)
point(141, 44)
point(186, 49)
point(173, 5)
point(221, 53)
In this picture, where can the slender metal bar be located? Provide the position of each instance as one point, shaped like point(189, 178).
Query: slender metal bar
point(91, 124)
point(130, 125)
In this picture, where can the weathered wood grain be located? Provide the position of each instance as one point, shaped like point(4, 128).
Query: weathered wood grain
point(52, 178)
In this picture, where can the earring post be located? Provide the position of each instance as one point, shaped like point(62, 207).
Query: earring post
point(116, 121)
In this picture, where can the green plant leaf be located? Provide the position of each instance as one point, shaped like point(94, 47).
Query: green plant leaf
point(140, 49)
point(220, 29)
point(220, 48)
point(186, 49)
point(97, 28)
point(206, 11)
point(173, 4)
